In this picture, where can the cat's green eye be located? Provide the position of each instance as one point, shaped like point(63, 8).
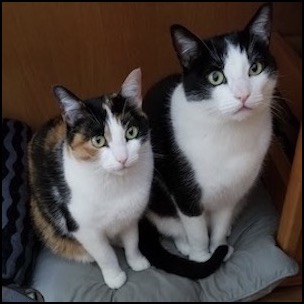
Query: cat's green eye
point(216, 78)
point(98, 141)
point(256, 69)
point(132, 132)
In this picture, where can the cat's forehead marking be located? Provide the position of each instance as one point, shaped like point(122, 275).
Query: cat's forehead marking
point(110, 115)
point(107, 101)
point(112, 119)
point(114, 131)
point(236, 62)
point(107, 133)
point(118, 106)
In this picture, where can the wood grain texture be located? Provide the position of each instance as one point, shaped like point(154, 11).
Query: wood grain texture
point(290, 74)
point(299, 249)
point(91, 47)
point(290, 226)
point(286, 294)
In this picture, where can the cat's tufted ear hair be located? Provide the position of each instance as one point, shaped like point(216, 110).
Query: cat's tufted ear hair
point(71, 105)
point(131, 87)
point(185, 43)
point(260, 24)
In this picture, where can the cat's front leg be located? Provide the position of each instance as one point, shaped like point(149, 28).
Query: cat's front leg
point(101, 250)
point(197, 235)
point(130, 242)
point(220, 220)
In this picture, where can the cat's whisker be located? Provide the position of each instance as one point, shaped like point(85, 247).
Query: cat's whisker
point(211, 53)
point(93, 116)
point(123, 110)
point(252, 44)
point(216, 52)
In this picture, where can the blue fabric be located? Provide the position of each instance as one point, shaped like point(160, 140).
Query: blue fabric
point(17, 235)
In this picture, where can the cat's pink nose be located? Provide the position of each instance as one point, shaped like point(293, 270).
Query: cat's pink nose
point(243, 97)
point(122, 159)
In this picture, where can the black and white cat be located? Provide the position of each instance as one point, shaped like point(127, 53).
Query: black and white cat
point(210, 128)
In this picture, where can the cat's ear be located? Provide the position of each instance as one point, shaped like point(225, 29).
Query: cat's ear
point(71, 105)
point(185, 44)
point(131, 87)
point(260, 24)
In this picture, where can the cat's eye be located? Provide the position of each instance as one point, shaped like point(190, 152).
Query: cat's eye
point(98, 141)
point(132, 132)
point(256, 69)
point(216, 78)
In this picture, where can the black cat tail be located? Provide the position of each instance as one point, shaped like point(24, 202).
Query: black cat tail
point(151, 248)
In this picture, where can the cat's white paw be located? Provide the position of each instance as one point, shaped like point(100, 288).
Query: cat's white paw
point(182, 246)
point(214, 245)
point(199, 256)
point(115, 280)
point(229, 231)
point(139, 263)
point(229, 253)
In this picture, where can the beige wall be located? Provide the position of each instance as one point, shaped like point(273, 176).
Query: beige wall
point(91, 47)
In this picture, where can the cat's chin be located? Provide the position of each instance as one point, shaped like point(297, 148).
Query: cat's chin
point(120, 172)
point(242, 114)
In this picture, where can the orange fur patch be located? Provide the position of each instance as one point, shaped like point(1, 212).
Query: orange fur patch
point(83, 148)
point(55, 134)
point(66, 247)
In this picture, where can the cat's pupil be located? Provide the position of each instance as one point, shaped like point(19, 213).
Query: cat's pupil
point(254, 67)
point(98, 139)
point(131, 132)
point(215, 77)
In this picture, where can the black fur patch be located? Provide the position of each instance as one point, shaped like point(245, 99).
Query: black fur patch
point(48, 177)
point(171, 165)
point(160, 199)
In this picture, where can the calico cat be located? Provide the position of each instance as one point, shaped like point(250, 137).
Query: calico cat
point(210, 130)
point(90, 176)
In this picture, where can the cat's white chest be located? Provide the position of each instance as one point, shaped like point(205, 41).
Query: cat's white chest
point(225, 159)
point(106, 202)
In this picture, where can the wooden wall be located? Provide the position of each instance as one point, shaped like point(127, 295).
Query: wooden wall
point(91, 47)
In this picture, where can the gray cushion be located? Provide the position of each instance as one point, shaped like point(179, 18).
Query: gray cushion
point(255, 268)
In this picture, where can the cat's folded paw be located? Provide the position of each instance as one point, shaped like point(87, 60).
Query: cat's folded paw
point(183, 247)
point(200, 257)
point(229, 231)
point(139, 263)
point(215, 245)
point(115, 280)
point(229, 253)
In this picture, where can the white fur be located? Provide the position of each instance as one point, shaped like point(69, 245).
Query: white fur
point(68, 102)
point(197, 236)
point(107, 205)
point(261, 26)
point(225, 147)
point(168, 226)
point(131, 88)
point(186, 44)
point(119, 153)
